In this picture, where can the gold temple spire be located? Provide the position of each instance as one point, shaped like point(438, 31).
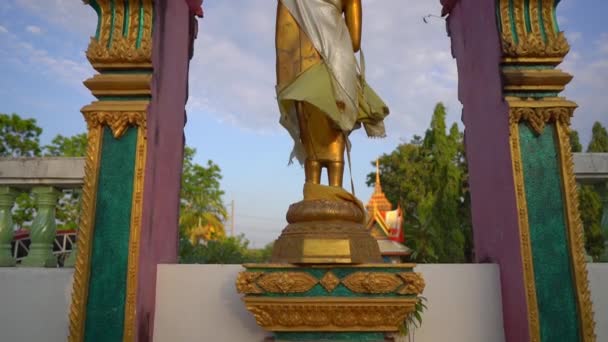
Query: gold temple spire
point(378, 201)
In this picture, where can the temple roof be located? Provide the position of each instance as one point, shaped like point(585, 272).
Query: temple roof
point(378, 200)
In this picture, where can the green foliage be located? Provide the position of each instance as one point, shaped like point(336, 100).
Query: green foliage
point(428, 178)
point(413, 320)
point(19, 137)
point(590, 206)
point(599, 139)
point(590, 200)
point(575, 142)
point(74, 146)
point(201, 202)
point(228, 250)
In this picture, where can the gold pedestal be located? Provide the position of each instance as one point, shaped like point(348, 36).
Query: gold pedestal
point(325, 232)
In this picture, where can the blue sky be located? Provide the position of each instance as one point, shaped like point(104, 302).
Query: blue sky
point(232, 114)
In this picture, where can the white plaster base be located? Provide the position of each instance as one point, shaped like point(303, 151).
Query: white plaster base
point(199, 303)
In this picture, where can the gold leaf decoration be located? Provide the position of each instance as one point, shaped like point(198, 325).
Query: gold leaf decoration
point(371, 282)
point(287, 282)
point(537, 118)
point(118, 121)
point(576, 237)
point(333, 314)
point(414, 283)
point(245, 283)
point(85, 237)
point(122, 50)
point(329, 281)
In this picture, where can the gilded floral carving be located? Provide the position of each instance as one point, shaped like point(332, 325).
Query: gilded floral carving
point(368, 282)
point(413, 283)
point(245, 282)
point(287, 282)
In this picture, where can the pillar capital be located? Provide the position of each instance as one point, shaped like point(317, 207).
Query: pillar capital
point(530, 33)
point(123, 39)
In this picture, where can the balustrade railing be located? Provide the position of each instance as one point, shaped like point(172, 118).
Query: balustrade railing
point(48, 181)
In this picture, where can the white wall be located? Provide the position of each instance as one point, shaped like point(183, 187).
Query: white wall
point(598, 279)
point(199, 303)
point(34, 304)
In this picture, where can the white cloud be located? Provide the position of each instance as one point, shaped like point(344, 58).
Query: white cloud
point(602, 43)
point(33, 29)
point(3, 29)
point(589, 85)
point(24, 54)
point(408, 62)
point(70, 14)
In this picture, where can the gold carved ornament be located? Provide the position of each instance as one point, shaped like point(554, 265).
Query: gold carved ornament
point(245, 283)
point(374, 283)
point(538, 117)
point(330, 313)
point(135, 229)
point(118, 121)
point(524, 232)
point(287, 282)
point(531, 44)
point(80, 287)
point(408, 283)
point(117, 46)
point(414, 283)
point(329, 281)
point(576, 237)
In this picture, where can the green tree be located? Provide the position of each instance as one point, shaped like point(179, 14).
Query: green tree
point(599, 139)
point(590, 207)
point(74, 146)
point(590, 201)
point(228, 250)
point(575, 142)
point(19, 137)
point(428, 177)
point(69, 205)
point(201, 202)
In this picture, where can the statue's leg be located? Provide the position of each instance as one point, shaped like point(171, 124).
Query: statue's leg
point(335, 173)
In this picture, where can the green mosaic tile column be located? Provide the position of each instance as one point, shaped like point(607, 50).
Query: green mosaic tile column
point(106, 300)
point(555, 291)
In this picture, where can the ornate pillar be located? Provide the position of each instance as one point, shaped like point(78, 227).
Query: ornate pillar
point(523, 192)
point(7, 200)
point(105, 279)
point(43, 230)
point(129, 224)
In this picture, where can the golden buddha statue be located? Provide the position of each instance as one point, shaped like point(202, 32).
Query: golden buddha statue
point(323, 97)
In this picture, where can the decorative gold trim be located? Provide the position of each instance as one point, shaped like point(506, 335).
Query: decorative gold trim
point(118, 121)
point(246, 283)
point(414, 283)
point(330, 313)
point(80, 287)
point(537, 118)
point(538, 80)
point(531, 44)
point(135, 233)
point(575, 235)
point(374, 283)
point(287, 282)
point(119, 84)
point(524, 233)
point(259, 282)
point(114, 50)
point(373, 265)
point(330, 281)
